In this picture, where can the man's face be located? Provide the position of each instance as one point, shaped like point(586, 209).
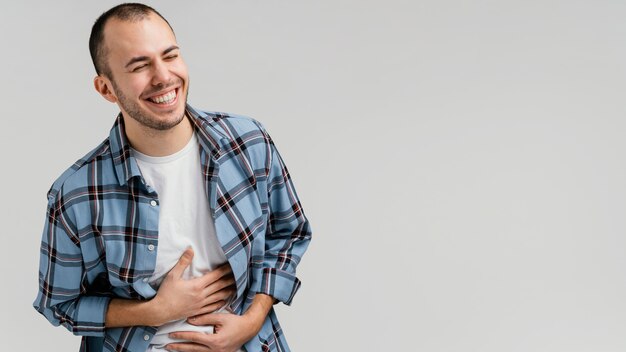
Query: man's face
point(149, 77)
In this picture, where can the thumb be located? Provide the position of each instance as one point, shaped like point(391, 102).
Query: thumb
point(183, 263)
point(206, 319)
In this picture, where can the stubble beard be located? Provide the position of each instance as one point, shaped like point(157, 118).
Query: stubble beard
point(139, 114)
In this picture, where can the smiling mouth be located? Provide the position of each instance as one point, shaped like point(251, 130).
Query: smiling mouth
point(164, 99)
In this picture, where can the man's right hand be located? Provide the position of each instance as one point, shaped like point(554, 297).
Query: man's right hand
point(176, 298)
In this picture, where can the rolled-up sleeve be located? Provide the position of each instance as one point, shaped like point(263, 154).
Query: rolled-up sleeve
point(61, 297)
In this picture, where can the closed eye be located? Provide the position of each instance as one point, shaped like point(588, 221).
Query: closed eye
point(139, 67)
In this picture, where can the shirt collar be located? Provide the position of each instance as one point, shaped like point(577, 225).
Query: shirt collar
point(210, 134)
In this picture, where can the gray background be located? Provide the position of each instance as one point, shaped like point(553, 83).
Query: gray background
point(461, 161)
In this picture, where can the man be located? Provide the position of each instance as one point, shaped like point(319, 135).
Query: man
point(181, 229)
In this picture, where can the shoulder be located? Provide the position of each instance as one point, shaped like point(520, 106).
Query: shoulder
point(243, 138)
point(75, 176)
point(234, 125)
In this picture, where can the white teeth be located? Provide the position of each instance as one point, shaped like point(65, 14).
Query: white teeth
point(164, 99)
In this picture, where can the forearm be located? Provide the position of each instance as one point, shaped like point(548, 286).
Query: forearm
point(126, 312)
point(258, 310)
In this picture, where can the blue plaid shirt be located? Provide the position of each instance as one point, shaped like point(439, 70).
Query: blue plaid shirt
point(100, 238)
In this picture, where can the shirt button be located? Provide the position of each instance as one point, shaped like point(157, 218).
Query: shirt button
point(146, 337)
point(145, 279)
point(153, 203)
point(150, 247)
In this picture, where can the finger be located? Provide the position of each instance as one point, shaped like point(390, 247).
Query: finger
point(197, 337)
point(220, 295)
point(183, 263)
point(207, 319)
point(226, 267)
point(186, 347)
point(209, 308)
point(214, 275)
point(215, 302)
point(225, 282)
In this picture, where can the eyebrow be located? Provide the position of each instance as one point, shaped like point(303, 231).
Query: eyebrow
point(145, 58)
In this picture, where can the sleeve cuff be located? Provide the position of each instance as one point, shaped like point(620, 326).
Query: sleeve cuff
point(89, 316)
point(279, 284)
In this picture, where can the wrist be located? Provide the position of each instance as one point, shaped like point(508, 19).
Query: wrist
point(128, 312)
point(258, 310)
point(155, 312)
point(255, 321)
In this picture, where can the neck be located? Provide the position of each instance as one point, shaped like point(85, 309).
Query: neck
point(158, 143)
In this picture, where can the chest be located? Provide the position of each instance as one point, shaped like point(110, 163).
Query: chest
point(121, 226)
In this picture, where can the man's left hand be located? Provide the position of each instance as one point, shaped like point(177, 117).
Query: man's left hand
point(231, 332)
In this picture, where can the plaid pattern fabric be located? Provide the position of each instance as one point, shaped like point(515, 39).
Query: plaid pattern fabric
point(101, 235)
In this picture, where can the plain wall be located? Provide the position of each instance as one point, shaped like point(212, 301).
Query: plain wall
point(461, 162)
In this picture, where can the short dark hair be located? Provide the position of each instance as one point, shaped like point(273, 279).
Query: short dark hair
point(131, 12)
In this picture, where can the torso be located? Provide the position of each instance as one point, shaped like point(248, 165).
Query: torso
point(185, 220)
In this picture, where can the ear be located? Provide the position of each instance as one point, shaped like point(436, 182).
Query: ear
point(104, 87)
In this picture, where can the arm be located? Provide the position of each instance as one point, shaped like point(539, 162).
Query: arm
point(63, 297)
point(288, 233)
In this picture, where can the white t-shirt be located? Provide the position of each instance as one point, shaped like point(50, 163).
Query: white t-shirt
point(184, 221)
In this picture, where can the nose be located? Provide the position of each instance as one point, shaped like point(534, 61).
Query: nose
point(161, 73)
